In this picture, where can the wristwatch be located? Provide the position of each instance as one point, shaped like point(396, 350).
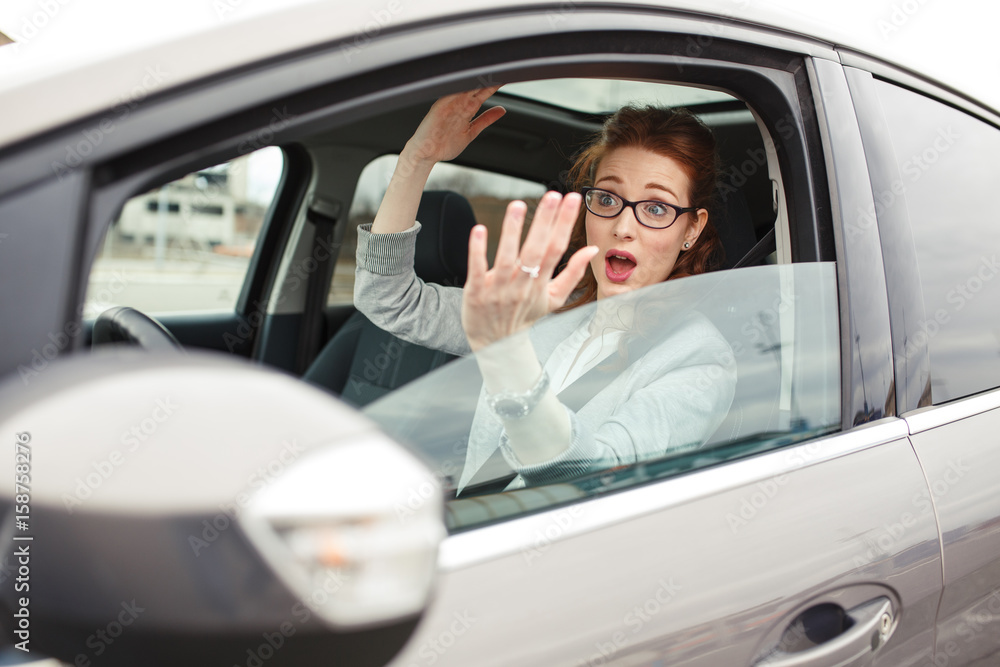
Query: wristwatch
point(518, 404)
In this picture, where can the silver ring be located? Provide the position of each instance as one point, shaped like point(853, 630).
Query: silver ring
point(531, 270)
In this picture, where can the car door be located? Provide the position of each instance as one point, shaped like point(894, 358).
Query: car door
point(743, 562)
point(931, 172)
point(800, 543)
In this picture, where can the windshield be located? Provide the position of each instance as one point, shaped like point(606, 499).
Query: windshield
point(696, 371)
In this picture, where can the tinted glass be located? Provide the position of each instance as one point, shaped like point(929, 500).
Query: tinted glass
point(949, 171)
point(710, 368)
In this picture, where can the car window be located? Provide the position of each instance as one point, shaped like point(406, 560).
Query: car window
point(948, 172)
point(707, 368)
point(186, 246)
point(488, 194)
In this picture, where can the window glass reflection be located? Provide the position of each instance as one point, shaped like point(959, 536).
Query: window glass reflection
point(774, 329)
point(949, 171)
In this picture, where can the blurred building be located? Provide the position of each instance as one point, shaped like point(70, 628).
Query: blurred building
point(203, 210)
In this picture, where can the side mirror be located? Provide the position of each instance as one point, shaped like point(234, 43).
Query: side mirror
point(225, 508)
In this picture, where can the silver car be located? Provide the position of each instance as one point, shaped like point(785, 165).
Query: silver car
point(216, 459)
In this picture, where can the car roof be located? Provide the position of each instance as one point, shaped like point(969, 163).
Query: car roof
point(65, 70)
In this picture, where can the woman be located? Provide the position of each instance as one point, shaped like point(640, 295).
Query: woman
point(546, 408)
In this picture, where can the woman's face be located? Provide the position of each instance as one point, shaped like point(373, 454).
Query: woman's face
point(631, 255)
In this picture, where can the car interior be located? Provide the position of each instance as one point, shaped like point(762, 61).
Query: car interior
point(309, 327)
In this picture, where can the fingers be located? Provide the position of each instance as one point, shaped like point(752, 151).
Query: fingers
point(533, 252)
point(550, 231)
point(484, 120)
point(563, 285)
point(485, 92)
point(562, 229)
point(510, 235)
point(476, 274)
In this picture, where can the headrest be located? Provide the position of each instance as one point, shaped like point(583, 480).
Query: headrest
point(446, 220)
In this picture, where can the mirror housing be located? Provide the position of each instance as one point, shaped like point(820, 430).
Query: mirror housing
point(221, 503)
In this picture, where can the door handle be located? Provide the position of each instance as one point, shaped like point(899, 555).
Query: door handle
point(828, 636)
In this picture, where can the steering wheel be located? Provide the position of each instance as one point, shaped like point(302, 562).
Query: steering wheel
point(122, 324)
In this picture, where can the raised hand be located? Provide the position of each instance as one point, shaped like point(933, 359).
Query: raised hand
point(446, 130)
point(519, 289)
point(451, 125)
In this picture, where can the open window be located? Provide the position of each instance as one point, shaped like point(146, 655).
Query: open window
point(773, 304)
point(775, 374)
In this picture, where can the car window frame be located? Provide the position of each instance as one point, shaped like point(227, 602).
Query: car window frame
point(747, 70)
point(104, 199)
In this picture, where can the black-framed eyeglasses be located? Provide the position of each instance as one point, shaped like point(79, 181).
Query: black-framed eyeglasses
point(650, 213)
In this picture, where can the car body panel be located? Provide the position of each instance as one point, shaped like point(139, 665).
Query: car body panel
point(113, 68)
point(714, 561)
point(960, 457)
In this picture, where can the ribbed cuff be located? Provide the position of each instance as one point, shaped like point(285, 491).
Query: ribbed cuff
point(386, 254)
point(580, 458)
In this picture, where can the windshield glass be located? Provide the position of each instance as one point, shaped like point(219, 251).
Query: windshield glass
point(694, 372)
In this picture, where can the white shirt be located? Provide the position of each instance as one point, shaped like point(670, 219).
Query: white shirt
point(575, 355)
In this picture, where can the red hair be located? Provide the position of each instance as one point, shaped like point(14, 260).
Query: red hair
point(673, 133)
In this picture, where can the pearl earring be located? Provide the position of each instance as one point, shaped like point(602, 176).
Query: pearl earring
point(686, 245)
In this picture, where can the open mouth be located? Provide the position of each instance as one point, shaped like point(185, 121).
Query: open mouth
point(619, 265)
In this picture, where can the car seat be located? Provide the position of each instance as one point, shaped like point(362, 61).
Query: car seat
point(362, 362)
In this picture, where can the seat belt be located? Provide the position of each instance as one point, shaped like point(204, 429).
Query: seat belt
point(323, 215)
point(762, 249)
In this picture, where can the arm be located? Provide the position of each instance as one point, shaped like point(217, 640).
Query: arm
point(446, 130)
point(391, 295)
point(386, 289)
